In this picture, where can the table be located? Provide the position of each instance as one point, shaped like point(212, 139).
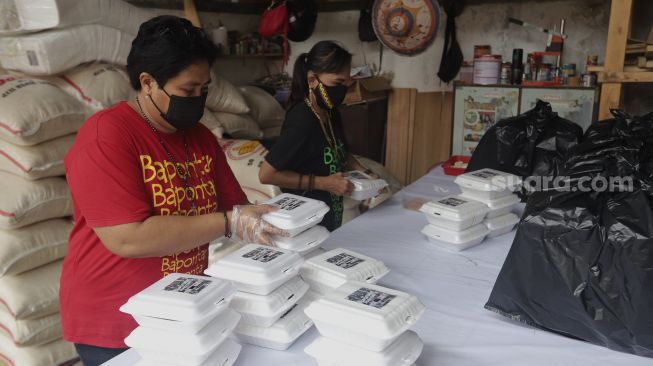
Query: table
point(456, 329)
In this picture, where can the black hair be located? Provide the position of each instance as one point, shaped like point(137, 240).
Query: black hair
point(324, 57)
point(165, 46)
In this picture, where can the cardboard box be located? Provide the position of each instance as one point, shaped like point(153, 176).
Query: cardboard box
point(367, 89)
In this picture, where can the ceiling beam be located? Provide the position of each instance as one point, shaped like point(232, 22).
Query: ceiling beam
point(225, 6)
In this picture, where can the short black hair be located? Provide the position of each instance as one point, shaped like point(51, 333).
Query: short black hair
point(165, 46)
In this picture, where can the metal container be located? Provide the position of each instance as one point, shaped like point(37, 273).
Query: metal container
point(589, 80)
point(487, 69)
point(482, 50)
point(506, 73)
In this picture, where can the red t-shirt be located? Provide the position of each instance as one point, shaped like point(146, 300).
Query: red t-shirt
point(119, 173)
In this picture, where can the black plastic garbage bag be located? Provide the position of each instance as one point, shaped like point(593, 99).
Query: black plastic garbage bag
point(534, 143)
point(581, 263)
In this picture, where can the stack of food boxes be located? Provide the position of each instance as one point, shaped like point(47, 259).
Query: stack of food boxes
point(365, 324)
point(299, 216)
point(184, 320)
point(484, 209)
point(268, 294)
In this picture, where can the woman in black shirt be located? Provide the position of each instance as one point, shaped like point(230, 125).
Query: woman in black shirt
point(311, 155)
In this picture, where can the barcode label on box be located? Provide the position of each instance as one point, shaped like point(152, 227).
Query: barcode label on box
point(344, 260)
point(187, 285)
point(263, 255)
point(31, 57)
point(369, 297)
point(453, 202)
point(289, 203)
point(484, 174)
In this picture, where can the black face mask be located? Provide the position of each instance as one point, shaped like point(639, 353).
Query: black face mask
point(329, 97)
point(183, 112)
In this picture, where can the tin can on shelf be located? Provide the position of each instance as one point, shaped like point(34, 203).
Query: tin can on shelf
point(482, 50)
point(589, 80)
point(544, 73)
point(568, 70)
point(487, 69)
point(506, 73)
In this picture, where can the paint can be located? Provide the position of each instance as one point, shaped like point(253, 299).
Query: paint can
point(487, 69)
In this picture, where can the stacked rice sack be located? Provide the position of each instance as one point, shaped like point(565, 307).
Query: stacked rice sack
point(44, 101)
point(48, 37)
point(38, 121)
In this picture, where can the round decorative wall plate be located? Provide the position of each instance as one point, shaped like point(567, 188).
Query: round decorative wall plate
point(407, 27)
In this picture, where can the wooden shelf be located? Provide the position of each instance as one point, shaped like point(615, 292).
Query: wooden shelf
point(615, 73)
point(626, 77)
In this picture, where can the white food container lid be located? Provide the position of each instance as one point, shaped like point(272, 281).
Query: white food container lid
point(181, 297)
point(364, 186)
point(258, 269)
point(456, 240)
point(295, 212)
point(365, 315)
point(154, 344)
point(270, 307)
point(502, 224)
point(402, 352)
point(281, 334)
point(497, 203)
point(455, 208)
point(332, 269)
point(489, 180)
point(304, 242)
point(225, 355)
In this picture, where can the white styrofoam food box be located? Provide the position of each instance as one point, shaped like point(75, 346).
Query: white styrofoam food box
point(295, 214)
point(312, 253)
point(364, 186)
point(488, 184)
point(225, 355)
point(304, 242)
point(454, 212)
point(257, 269)
point(501, 225)
point(365, 315)
point(180, 302)
point(332, 269)
point(402, 352)
point(281, 335)
point(263, 311)
point(498, 207)
point(456, 240)
point(161, 345)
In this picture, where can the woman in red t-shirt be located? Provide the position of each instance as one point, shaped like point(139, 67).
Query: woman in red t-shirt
point(150, 186)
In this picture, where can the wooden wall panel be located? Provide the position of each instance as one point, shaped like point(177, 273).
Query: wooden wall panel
point(419, 132)
point(401, 117)
point(433, 128)
point(611, 93)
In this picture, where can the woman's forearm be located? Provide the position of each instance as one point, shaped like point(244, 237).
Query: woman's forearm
point(159, 236)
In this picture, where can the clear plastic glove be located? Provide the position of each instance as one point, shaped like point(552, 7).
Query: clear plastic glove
point(337, 184)
point(248, 226)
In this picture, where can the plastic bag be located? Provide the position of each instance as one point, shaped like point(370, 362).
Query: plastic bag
point(534, 143)
point(580, 264)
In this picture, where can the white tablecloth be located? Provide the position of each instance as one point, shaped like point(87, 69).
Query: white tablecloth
point(456, 329)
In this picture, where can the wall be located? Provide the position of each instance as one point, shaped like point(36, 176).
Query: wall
point(587, 24)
